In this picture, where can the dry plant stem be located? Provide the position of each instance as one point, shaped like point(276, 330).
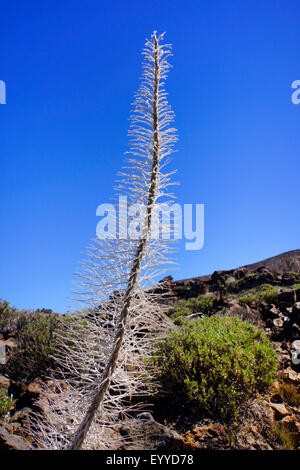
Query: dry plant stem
point(111, 365)
point(102, 353)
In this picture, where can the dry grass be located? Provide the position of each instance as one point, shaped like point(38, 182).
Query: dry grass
point(290, 393)
point(289, 439)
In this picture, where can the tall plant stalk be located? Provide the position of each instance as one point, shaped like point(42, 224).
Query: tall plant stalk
point(112, 338)
point(154, 72)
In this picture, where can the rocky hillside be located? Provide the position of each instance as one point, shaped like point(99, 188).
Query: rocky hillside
point(265, 294)
point(269, 299)
point(283, 263)
point(280, 264)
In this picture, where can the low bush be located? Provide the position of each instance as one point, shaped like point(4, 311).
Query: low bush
point(5, 309)
point(252, 316)
point(203, 303)
point(266, 293)
point(289, 438)
point(10, 316)
point(251, 298)
point(215, 363)
point(35, 344)
point(242, 281)
point(6, 403)
point(289, 393)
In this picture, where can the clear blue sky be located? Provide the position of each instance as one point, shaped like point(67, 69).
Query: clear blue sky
point(71, 68)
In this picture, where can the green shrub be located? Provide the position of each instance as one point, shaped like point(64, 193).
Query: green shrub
point(266, 293)
point(249, 298)
point(241, 283)
point(233, 283)
point(35, 342)
point(203, 303)
point(179, 313)
point(12, 319)
point(215, 363)
point(5, 403)
point(5, 308)
point(7, 313)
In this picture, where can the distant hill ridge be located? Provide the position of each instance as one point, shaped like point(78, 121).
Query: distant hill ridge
point(279, 264)
point(285, 262)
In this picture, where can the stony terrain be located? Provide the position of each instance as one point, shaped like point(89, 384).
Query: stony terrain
point(269, 422)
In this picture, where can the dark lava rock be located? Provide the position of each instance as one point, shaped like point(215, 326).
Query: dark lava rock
point(11, 442)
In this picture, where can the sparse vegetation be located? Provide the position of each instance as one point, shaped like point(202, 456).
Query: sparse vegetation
point(266, 293)
point(11, 316)
point(289, 438)
point(241, 283)
point(207, 368)
point(215, 363)
point(34, 335)
point(5, 309)
point(203, 303)
point(35, 342)
point(6, 403)
point(250, 298)
point(290, 393)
